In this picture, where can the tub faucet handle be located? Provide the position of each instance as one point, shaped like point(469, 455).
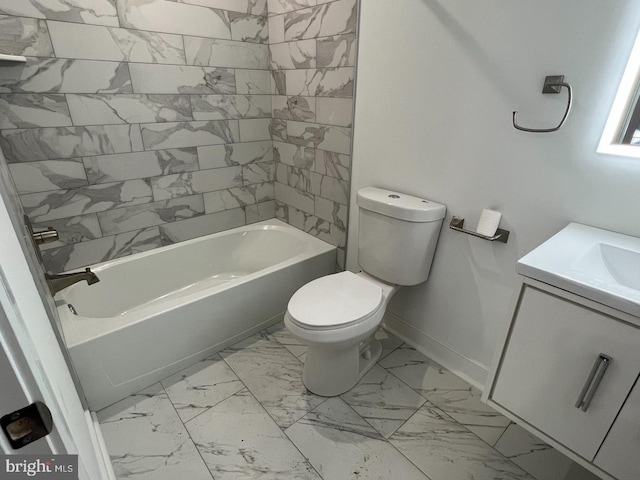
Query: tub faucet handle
point(45, 236)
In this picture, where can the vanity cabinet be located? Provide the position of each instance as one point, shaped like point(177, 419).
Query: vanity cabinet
point(565, 370)
point(620, 452)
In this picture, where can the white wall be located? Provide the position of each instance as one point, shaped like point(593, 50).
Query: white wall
point(436, 84)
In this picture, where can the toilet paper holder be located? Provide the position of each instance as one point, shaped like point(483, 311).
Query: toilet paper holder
point(457, 224)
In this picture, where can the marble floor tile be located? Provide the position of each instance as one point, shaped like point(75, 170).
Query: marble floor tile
point(388, 341)
point(201, 386)
point(274, 377)
point(239, 440)
point(445, 450)
point(341, 445)
point(447, 391)
point(383, 400)
point(539, 459)
point(287, 340)
point(147, 441)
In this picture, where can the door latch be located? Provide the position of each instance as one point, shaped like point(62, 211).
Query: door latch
point(27, 425)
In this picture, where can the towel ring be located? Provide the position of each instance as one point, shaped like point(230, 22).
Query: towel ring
point(552, 84)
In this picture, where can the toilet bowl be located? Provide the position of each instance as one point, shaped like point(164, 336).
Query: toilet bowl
point(336, 316)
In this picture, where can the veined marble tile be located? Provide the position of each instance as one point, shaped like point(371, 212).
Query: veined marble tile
point(537, 458)
point(147, 78)
point(334, 111)
point(173, 17)
point(276, 29)
point(315, 226)
point(299, 178)
point(279, 130)
point(238, 197)
point(276, 7)
point(249, 28)
point(147, 440)
point(179, 185)
point(128, 166)
point(255, 7)
point(292, 55)
point(46, 175)
point(278, 82)
point(121, 220)
point(256, 82)
point(302, 109)
point(294, 197)
point(287, 340)
point(216, 156)
point(24, 36)
point(108, 43)
point(383, 400)
point(321, 82)
point(202, 225)
point(273, 376)
point(99, 12)
point(341, 445)
point(334, 18)
point(158, 136)
point(109, 109)
point(238, 440)
point(252, 130)
point(24, 145)
point(33, 110)
point(337, 51)
point(95, 198)
point(99, 250)
point(201, 386)
point(258, 173)
point(388, 341)
point(333, 164)
point(333, 212)
point(334, 189)
point(442, 448)
point(53, 75)
point(260, 211)
point(225, 53)
point(294, 155)
point(72, 230)
point(447, 391)
point(324, 137)
point(220, 107)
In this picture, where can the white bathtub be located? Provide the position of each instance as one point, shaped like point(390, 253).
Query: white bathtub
point(155, 313)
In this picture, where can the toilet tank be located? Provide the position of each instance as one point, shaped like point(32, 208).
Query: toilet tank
point(397, 235)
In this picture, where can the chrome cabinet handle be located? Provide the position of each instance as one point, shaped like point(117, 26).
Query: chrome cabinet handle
point(593, 382)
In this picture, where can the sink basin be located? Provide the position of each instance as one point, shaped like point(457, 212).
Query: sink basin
point(596, 264)
point(611, 264)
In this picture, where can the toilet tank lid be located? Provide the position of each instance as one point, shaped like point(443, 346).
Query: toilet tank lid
point(399, 205)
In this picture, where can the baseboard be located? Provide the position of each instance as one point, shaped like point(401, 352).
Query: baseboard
point(464, 367)
point(100, 447)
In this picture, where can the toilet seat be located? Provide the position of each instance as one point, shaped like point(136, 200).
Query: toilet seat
point(334, 301)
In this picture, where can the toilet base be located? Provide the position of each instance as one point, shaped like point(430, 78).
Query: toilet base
point(329, 372)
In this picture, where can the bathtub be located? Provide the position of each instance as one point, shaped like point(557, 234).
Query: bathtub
point(154, 313)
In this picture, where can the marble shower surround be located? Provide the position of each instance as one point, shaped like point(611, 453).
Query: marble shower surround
point(136, 124)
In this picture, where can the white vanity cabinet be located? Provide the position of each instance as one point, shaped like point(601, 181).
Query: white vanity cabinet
point(568, 368)
point(552, 348)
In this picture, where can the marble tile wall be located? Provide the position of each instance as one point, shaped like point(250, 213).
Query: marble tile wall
point(140, 123)
point(136, 123)
point(312, 46)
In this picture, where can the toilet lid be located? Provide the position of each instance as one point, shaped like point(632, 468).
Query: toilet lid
point(335, 300)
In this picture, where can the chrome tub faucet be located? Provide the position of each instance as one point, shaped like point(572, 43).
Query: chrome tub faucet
point(64, 280)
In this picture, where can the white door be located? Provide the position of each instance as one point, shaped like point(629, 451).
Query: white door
point(31, 345)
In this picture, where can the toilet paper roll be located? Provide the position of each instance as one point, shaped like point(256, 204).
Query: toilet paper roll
point(489, 221)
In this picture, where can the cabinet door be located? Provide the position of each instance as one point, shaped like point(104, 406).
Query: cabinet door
point(619, 454)
point(552, 348)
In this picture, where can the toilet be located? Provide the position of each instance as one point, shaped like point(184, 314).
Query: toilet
point(337, 315)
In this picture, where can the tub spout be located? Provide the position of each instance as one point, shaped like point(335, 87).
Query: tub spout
point(62, 281)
